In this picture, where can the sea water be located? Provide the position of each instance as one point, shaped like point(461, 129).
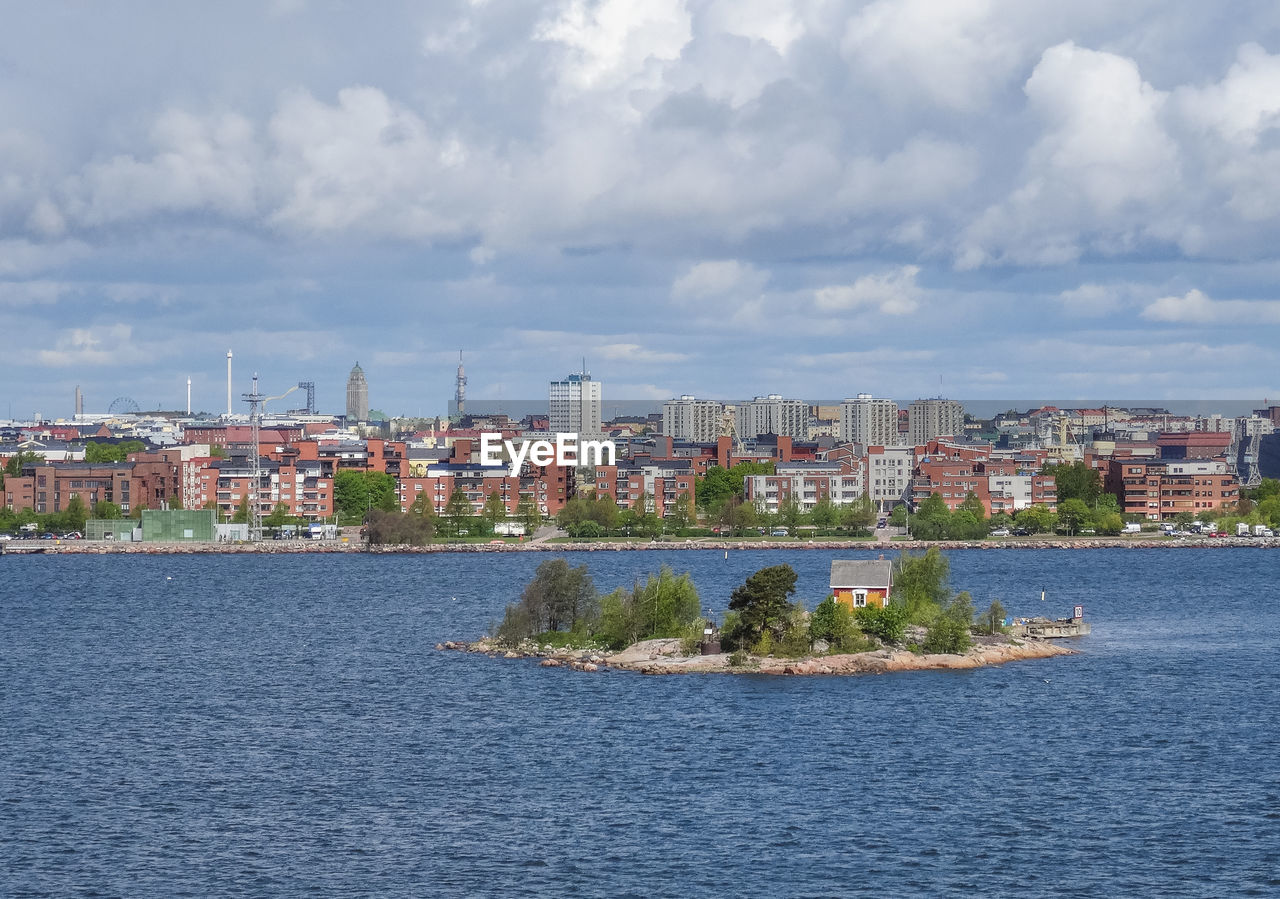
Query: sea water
point(282, 725)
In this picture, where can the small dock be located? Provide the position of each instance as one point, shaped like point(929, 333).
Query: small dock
point(1050, 629)
point(12, 547)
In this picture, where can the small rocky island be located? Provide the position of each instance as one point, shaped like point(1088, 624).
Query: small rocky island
point(879, 617)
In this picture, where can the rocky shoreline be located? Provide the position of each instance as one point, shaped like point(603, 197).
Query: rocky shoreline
point(665, 657)
point(86, 547)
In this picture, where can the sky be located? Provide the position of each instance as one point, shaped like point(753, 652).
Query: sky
point(972, 198)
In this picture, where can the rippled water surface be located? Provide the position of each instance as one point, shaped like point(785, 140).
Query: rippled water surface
point(197, 725)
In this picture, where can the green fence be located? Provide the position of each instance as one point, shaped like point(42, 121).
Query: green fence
point(179, 525)
point(109, 529)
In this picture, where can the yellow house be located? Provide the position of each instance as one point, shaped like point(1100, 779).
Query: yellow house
point(861, 584)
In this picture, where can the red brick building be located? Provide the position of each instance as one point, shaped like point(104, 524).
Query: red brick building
point(666, 483)
point(1161, 490)
point(549, 486)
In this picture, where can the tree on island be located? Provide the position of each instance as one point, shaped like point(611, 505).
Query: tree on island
point(558, 598)
point(993, 618)
point(762, 605)
point(663, 606)
point(833, 622)
point(950, 631)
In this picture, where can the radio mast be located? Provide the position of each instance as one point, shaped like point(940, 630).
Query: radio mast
point(460, 388)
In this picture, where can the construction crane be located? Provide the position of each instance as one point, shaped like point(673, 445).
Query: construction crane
point(266, 399)
point(257, 405)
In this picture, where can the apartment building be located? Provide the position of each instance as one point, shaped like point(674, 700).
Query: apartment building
point(665, 484)
point(548, 486)
point(1161, 490)
point(868, 420)
point(772, 414)
point(842, 482)
point(933, 418)
point(692, 419)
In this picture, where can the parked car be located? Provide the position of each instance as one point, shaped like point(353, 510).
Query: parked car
point(1021, 532)
point(778, 532)
point(6, 537)
point(1000, 532)
point(883, 522)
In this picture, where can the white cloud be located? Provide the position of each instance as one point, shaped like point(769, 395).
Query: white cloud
point(775, 23)
point(634, 352)
point(33, 293)
point(952, 54)
point(611, 41)
point(1243, 105)
point(1194, 307)
point(199, 163)
point(893, 292)
point(1104, 166)
point(719, 278)
point(97, 345)
point(1091, 300)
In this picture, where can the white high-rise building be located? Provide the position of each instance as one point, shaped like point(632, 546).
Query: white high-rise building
point(688, 418)
point(773, 415)
point(869, 421)
point(933, 418)
point(575, 405)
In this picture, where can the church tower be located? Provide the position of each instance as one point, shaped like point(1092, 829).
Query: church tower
point(357, 395)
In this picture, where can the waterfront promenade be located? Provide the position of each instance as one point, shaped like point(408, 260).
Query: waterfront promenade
point(284, 547)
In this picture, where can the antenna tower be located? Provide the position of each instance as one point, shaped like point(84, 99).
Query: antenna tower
point(460, 388)
point(255, 401)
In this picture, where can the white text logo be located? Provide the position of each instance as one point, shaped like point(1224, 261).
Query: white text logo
point(567, 449)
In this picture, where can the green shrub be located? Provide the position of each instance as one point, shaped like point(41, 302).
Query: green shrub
point(794, 642)
point(888, 623)
point(947, 635)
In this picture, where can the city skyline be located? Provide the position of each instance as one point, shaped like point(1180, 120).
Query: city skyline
point(725, 199)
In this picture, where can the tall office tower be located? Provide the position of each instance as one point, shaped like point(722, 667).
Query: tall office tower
point(870, 421)
point(773, 415)
point(933, 418)
point(79, 402)
point(575, 405)
point(357, 395)
point(692, 419)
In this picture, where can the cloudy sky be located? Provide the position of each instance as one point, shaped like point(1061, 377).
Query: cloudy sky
point(727, 197)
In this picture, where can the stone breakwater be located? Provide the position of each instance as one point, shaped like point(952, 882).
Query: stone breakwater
point(273, 547)
point(665, 657)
